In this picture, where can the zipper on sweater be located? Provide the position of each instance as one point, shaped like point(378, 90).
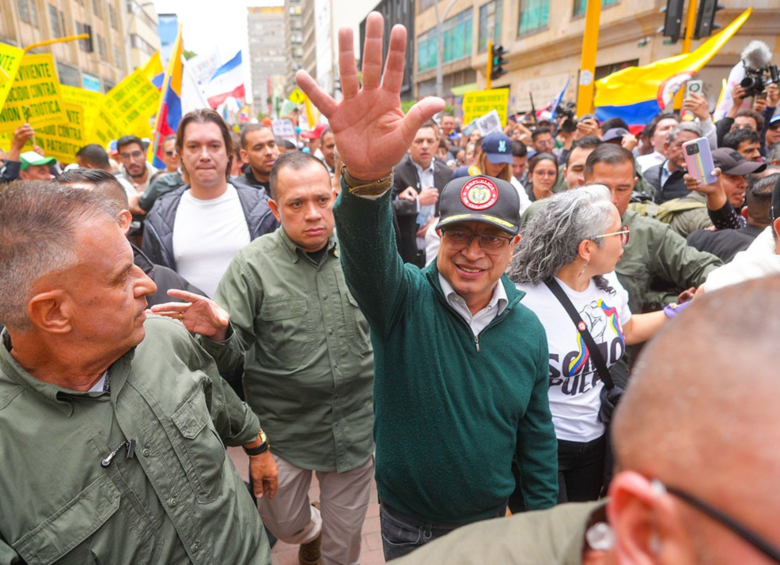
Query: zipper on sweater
point(476, 340)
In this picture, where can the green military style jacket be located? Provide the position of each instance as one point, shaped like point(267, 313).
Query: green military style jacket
point(546, 537)
point(309, 367)
point(684, 215)
point(178, 499)
point(655, 251)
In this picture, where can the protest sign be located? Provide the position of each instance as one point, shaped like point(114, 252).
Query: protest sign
point(480, 102)
point(10, 59)
point(489, 123)
point(284, 128)
point(133, 98)
point(35, 96)
point(62, 141)
point(90, 103)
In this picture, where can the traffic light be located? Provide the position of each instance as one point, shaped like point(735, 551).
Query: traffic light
point(673, 14)
point(497, 66)
point(705, 18)
point(88, 43)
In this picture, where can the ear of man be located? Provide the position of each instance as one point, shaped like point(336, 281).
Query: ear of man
point(647, 523)
point(51, 312)
point(275, 210)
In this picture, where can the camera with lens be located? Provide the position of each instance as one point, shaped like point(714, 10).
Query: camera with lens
point(756, 80)
point(568, 111)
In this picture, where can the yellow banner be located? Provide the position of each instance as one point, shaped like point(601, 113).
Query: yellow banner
point(62, 141)
point(10, 59)
point(90, 103)
point(478, 103)
point(133, 98)
point(35, 95)
point(124, 107)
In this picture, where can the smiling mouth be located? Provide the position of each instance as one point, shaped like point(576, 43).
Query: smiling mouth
point(471, 271)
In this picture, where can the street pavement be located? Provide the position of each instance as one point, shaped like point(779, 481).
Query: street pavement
point(285, 554)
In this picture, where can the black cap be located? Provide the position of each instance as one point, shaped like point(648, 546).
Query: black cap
point(615, 134)
point(480, 199)
point(732, 163)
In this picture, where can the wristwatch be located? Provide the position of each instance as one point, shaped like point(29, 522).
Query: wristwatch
point(257, 450)
point(363, 188)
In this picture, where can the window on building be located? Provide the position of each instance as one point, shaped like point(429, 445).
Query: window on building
point(580, 5)
point(534, 14)
point(97, 8)
point(23, 7)
point(489, 24)
point(112, 17)
point(102, 47)
point(63, 26)
point(54, 19)
point(456, 37)
point(68, 75)
point(117, 56)
point(33, 12)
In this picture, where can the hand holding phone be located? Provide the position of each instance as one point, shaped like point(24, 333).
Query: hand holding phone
point(698, 160)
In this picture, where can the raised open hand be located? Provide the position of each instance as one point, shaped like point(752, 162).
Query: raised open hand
point(371, 132)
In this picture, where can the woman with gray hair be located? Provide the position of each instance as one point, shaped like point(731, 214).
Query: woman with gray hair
point(575, 240)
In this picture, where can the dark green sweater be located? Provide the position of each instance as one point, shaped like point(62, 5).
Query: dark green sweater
point(449, 415)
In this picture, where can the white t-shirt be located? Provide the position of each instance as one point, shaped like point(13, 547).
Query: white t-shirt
point(575, 385)
point(207, 234)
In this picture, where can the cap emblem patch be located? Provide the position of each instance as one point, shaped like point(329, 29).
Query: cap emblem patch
point(479, 194)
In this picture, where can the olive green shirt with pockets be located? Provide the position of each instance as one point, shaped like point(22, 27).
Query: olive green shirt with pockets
point(309, 366)
point(177, 500)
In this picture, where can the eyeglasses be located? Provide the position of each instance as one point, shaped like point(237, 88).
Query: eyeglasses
point(623, 233)
point(169, 153)
point(134, 155)
point(754, 539)
point(458, 239)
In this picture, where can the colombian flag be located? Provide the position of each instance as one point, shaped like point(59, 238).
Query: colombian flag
point(637, 94)
point(169, 115)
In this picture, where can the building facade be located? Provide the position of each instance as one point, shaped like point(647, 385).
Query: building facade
point(544, 43)
point(397, 12)
point(122, 38)
point(294, 48)
point(267, 41)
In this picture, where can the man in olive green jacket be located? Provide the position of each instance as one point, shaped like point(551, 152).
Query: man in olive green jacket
point(309, 367)
point(653, 250)
point(113, 426)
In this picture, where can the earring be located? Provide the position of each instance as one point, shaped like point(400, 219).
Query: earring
point(585, 266)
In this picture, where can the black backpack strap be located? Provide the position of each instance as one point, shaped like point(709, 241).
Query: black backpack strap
point(595, 352)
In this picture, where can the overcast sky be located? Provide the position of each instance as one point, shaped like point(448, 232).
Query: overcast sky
point(220, 26)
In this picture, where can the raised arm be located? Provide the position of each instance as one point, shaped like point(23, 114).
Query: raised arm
point(369, 127)
point(372, 135)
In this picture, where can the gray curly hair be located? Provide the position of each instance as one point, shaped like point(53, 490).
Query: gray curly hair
point(551, 238)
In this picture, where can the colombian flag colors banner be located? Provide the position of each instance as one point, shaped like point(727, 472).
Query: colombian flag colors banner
point(170, 114)
point(637, 94)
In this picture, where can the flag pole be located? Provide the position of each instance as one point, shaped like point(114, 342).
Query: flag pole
point(590, 42)
point(166, 84)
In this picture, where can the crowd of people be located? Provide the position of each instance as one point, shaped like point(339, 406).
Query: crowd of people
point(458, 317)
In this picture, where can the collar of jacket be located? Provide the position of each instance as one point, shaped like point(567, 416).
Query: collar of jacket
point(55, 395)
point(292, 248)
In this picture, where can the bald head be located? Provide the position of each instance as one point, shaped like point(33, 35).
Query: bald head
point(707, 384)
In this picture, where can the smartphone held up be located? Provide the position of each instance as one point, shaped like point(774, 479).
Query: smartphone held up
point(698, 159)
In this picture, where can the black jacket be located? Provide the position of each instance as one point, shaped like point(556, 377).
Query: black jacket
point(248, 178)
point(674, 187)
point(724, 243)
point(158, 227)
point(405, 212)
point(164, 278)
